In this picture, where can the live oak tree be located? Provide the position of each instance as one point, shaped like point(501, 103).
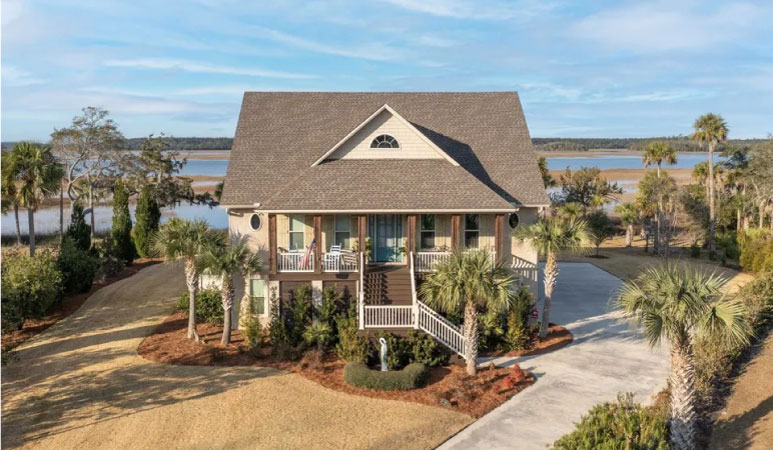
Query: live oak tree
point(550, 236)
point(676, 303)
point(471, 281)
point(587, 187)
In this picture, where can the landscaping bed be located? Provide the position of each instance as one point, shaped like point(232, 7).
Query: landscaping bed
point(446, 387)
point(68, 305)
point(558, 337)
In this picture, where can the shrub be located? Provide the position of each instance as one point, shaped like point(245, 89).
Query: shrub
point(332, 304)
point(351, 346)
point(110, 265)
point(298, 314)
point(30, 286)
point(148, 216)
point(120, 234)
point(319, 334)
point(77, 266)
point(209, 306)
point(491, 330)
point(623, 424)
point(359, 375)
point(78, 230)
point(695, 251)
point(425, 350)
point(518, 334)
point(756, 250)
point(727, 242)
point(253, 331)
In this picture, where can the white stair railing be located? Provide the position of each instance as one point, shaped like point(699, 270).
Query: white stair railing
point(361, 297)
point(441, 329)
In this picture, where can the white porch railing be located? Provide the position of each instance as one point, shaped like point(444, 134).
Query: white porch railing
point(426, 261)
point(294, 262)
point(440, 328)
point(339, 262)
point(528, 271)
point(389, 316)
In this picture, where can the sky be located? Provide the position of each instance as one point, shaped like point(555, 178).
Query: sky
point(582, 69)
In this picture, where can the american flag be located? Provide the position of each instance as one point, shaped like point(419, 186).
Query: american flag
point(307, 256)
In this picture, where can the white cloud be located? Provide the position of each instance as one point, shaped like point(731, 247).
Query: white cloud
point(13, 76)
point(197, 67)
point(480, 10)
point(663, 26)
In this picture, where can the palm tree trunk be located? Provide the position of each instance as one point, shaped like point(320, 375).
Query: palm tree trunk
point(192, 280)
point(227, 297)
point(31, 224)
point(712, 211)
point(16, 217)
point(682, 383)
point(91, 205)
point(471, 338)
point(551, 275)
point(629, 235)
point(245, 306)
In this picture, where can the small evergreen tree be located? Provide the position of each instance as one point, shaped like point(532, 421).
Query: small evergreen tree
point(122, 224)
point(148, 216)
point(78, 230)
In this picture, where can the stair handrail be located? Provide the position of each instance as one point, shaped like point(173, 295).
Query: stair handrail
point(436, 315)
point(362, 292)
point(414, 298)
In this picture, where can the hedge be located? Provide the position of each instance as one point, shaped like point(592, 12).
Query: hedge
point(30, 286)
point(359, 375)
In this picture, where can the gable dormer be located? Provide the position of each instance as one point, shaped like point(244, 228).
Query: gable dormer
point(385, 134)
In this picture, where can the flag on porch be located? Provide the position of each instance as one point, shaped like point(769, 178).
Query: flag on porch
point(307, 256)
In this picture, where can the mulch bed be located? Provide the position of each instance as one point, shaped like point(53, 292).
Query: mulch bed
point(448, 387)
point(68, 305)
point(558, 337)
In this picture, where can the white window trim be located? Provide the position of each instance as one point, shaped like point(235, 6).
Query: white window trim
point(264, 296)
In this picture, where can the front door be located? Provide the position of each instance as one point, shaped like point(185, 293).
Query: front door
point(386, 232)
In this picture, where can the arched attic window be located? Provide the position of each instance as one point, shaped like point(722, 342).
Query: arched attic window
point(384, 141)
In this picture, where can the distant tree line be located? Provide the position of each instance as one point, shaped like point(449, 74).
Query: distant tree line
point(678, 143)
point(176, 143)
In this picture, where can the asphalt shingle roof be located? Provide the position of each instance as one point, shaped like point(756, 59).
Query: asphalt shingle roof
point(281, 134)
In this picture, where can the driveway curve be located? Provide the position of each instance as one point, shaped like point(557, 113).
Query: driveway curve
point(605, 358)
point(80, 384)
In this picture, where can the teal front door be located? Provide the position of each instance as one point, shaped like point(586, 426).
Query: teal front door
point(386, 232)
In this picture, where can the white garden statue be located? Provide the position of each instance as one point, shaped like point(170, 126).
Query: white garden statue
point(384, 367)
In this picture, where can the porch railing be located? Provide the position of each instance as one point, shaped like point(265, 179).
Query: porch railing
point(295, 262)
point(339, 262)
point(389, 316)
point(426, 261)
point(528, 271)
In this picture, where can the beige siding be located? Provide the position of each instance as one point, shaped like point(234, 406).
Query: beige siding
point(282, 231)
point(486, 239)
point(328, 230)
point(412, 146)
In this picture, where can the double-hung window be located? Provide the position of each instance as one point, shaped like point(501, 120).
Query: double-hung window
point(297, 232)
point(343, 231)
point(427, 232)
point(257, 296)
point(471, 230)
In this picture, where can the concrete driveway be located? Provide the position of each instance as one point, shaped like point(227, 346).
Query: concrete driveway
point(606, 358)
point(80, 384)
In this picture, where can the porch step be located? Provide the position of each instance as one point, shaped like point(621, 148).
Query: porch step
point(388, 285)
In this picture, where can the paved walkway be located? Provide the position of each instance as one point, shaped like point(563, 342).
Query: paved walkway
point(80, 384)
point(606, 358)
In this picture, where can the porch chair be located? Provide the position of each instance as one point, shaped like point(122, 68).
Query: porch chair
point(333, 258)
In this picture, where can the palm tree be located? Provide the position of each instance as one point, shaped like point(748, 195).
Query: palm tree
point(39, 175)
point(471, 281)
point(658, 152)
point(550, 236)
point(710, 130)
point(629, 215)
point(677, 303)
point(185, 240)
point(225, 261)
point(10, 173)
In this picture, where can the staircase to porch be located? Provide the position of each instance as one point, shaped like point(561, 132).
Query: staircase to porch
point(388, 301)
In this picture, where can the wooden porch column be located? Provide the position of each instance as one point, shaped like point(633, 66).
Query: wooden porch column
point(456, 226)
point(318, 240)
point(499, 236)
point(411, 238)
point(272, 244)
point(362, 232)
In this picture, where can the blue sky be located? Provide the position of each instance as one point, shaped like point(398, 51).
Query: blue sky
point(583, 69)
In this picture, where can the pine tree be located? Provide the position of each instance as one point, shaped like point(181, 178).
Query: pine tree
point(78, 230)
point(148, 216)
point(121, 234)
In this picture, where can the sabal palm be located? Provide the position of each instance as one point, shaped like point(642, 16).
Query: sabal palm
point(472, 281)
point(658, 152)
point(710, 130)
point(10, 189)
point(39, 176)
point(629, 216)
point(677, 303)
point(549, 236)
point(225, 261)
point(180, 239)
